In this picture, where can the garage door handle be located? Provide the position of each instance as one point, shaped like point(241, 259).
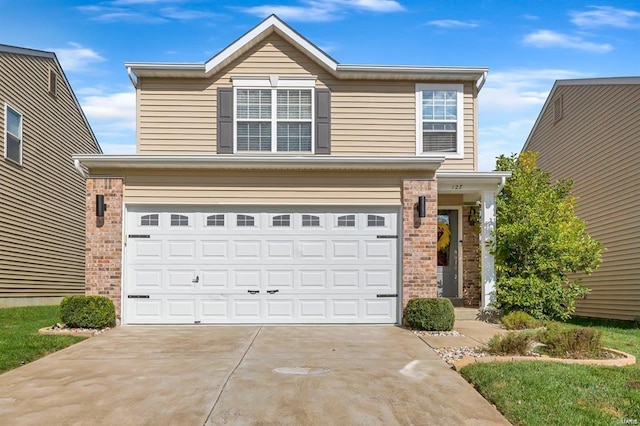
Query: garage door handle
point(253, 291)
point(196, 280)
point(272, 291)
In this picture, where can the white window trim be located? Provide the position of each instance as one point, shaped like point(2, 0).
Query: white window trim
point(8, 107)
point(459, 88)
point(274, 83)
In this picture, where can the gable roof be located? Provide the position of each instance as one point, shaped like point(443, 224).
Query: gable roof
point(273, 24)
point(577, 82)
point(5, 48)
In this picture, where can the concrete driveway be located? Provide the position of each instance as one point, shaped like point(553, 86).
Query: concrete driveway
point(194, 375)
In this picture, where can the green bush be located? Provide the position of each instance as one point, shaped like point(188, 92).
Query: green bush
point(429, 314)
point(87, 312)
point(575, 342)
point(519, 320)
point(510, 344)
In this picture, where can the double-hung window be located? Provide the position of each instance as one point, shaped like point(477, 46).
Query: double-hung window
point(439, 125)
point(13, 135)
point(275, 118)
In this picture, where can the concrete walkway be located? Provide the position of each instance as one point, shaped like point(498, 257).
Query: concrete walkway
point(195, 375)
point(473, 333)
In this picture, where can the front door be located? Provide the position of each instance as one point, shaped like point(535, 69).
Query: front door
point(447, 253)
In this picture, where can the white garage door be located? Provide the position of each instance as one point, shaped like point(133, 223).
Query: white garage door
point(267, 266)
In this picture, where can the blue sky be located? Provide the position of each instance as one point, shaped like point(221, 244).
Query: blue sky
point(526, 44)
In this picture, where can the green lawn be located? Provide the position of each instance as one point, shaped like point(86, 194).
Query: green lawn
point(530, 393)
point(20, 342)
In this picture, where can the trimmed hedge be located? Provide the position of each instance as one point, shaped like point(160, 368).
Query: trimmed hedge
point(87, 312)
point(429, 314)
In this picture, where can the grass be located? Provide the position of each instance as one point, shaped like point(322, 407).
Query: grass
point(530, 393)
point(20, 342)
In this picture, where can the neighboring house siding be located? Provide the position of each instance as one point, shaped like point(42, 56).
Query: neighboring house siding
point(42, 202)
point(246, 187)
point(367, 117)
point(596, 143)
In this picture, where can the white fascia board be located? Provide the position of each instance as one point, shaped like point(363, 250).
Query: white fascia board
point(465, 73)
point(280, 162)
point(266, 25)
point(470, 182)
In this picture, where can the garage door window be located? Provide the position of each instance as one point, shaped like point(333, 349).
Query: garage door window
point(215, 220)
point(309, 220)
point(375, 220)
point(347, 221)
point(179, 220)
point(149, 220)
point(283, 220)
point(243, 220)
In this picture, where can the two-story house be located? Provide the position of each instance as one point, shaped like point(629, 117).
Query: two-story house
point(273, 184)
point(42, 213)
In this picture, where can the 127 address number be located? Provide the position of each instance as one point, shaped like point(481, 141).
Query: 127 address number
point(456, 186)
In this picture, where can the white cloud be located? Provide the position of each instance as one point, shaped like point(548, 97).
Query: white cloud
point(323, 10)
point(602, 16)
point(548, 38)
point(452, 23)
point(112, 117)
point(514, 97)
point(144, 11)
point(76, 57)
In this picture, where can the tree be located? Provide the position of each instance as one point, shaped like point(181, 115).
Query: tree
point(540, 242)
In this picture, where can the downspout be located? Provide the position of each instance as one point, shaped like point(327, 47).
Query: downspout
point(503, 181)
point(131, 78)
point(483, 80)
point(76, 164)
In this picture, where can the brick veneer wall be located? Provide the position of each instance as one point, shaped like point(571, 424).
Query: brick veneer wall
point(420, 235)
point(470, 261)
point(104, 240)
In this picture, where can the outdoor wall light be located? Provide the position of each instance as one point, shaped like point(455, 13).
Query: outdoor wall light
point(101, 207)
point(422, 206)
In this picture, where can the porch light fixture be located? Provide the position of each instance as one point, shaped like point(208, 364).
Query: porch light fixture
point(101, 207)
point(422, 206)
point(473, 216)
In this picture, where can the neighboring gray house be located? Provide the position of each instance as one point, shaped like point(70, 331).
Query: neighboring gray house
point(42, 197)
point(589, 131)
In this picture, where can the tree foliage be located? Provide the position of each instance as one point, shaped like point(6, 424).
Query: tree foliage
point(540, 242)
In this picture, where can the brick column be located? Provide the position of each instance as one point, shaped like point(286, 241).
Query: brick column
point(471, 289)
point(419, 238)
point(103, 271)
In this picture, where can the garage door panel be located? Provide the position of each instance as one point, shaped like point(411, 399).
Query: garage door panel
point(247, 279)
point(181, 279)
point(279, 250)
point(181, 250)
point(313, 309)
point(327, 267)
point(214, 279)
point(281, 278)
point(247, 249)
point(215, 249)
point(247, 310)
point(214, 310)
point(310, 249)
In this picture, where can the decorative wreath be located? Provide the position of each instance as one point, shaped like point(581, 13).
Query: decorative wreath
point(444, 236)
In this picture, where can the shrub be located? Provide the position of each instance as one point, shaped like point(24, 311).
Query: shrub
point(578, 342)
point(510, 344)
point(519, 320)
point(87, 312)
point(429, 314)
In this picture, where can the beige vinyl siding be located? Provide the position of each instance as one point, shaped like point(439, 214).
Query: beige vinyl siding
point(178, 116)
point(42, 211)
point(596, 144)
point(250, 187)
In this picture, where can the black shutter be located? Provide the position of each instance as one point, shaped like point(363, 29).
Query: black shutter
point(225, 120)
point(323, 121)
